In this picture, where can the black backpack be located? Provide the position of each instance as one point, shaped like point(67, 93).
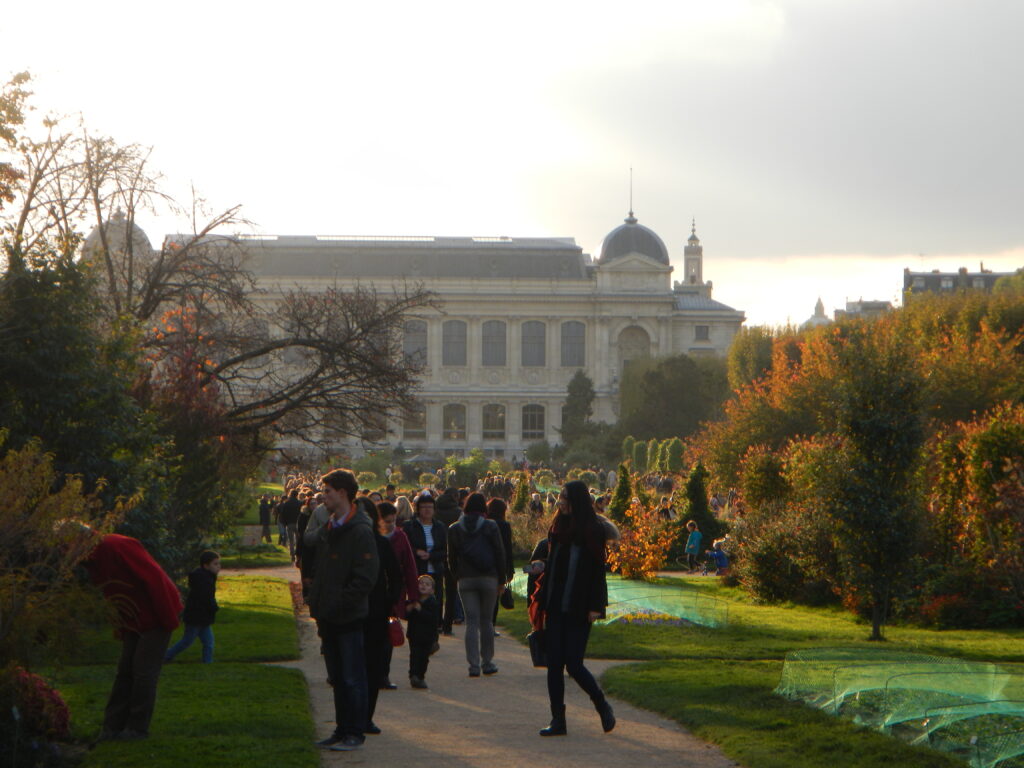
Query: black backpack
point(476, 549)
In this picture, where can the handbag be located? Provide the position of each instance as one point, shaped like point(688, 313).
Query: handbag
point(395, 632)
point(508, 600)
point(538, 648)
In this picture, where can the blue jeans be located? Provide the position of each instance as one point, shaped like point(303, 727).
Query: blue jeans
point(346, 666)
point(205, 635)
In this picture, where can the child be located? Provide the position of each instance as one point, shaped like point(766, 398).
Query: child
point(200, 607)
point(422, 632)
point(692, 545)
point(720, 559)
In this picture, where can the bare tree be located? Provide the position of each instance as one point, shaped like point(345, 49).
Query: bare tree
point(289, 367)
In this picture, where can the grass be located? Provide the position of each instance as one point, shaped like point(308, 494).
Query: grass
point(718, 683)
point(259, 556)
point(219, 714)
point(234, 712)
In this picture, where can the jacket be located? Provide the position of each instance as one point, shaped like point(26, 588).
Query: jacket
point(410, 592)
point(581, 573)
point(459, 536)
point(418, 540)
point(133, 582)
point(346, 571)
point(389, 585)
point(422, 629)
point(201, 603)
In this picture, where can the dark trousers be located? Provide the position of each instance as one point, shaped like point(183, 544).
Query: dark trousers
point(133, 696)
point(419, 658)
point(566, 644)
point(376, 644)
point(447, 598)
point(346, 666)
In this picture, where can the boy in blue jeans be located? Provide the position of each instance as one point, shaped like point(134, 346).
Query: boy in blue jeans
point(200, 607)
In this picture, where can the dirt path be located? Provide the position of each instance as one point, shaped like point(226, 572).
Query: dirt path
point(492, 722)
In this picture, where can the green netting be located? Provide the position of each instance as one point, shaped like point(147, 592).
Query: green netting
point(640, 602)
point(971, 709)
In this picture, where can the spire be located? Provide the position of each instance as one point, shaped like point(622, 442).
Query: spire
point(693, 239)
point(631, 219)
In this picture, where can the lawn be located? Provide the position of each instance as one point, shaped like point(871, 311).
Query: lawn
point(259, 556)
point(234, 712)
point(718, 683)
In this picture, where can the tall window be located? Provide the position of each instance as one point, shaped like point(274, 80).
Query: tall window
point(414, 426)
point(494, 343)
point(494, 422)
point(533, 422)
point(534, 343)
point(453, 343)
point(414, 342)
point(702, 333)
point(454, 417)
point(574, 344)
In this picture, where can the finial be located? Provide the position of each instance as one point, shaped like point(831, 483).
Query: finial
point(631, 192)
point(693, 226)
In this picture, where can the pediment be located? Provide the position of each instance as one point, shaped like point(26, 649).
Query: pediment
point(634, 262)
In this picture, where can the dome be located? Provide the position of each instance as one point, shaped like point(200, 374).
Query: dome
point(116, 230)
point(632, 237)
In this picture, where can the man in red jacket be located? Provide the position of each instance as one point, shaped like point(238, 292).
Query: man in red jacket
point(148, 604)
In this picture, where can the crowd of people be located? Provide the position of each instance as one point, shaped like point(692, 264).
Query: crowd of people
point(443, 558)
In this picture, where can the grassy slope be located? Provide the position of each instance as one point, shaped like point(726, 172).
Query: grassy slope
point(235, 712)
point(718, 683)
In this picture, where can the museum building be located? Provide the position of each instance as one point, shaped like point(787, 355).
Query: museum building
point(516, 318)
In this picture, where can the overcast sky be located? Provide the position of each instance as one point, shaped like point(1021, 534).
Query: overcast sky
point(821, 145)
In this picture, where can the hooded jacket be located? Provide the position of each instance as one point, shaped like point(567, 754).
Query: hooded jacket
point(346, 571)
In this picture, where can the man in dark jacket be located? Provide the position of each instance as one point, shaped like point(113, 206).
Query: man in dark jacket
point(288, 516)
point(346, 571)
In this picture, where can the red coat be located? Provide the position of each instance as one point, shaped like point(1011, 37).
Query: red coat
point(410, 575)
point(144, 596)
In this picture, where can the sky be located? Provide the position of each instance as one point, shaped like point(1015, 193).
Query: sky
point(821, 146)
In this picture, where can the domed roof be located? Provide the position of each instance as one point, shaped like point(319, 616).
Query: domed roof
point(116, 230)
point(632, 237)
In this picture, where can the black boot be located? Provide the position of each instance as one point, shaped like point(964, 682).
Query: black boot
point(557, 727)
point(604, 709)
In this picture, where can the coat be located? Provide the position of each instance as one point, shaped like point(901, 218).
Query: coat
point(459, 535)
point(346, 571)
point(438, 555)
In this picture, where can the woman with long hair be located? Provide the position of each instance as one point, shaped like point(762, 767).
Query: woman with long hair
point(573, 594)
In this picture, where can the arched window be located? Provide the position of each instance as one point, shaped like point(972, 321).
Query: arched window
point(454, 417)
point(634, 343)
point(414, 425)
point(533, 422)
point(453, 343)
point(574, 344)
point(534, 343)
point(414, 342)
point(494, 422)
point(494, 343)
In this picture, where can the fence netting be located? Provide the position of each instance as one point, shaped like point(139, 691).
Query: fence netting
point(972, 709)
point(640, 602)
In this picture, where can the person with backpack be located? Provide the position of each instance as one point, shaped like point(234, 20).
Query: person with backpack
point(476, 558)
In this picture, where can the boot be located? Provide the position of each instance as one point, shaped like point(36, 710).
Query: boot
point(604, 709)
point(557, 727)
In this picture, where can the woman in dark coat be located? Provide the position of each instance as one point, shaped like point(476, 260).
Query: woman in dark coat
point(429, 540)
point(496, 511)
point(385, 593)
point(573, 594)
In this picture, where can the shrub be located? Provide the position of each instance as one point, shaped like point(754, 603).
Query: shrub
point(428, 480)
point(644, 546)
point(590, 478)
point(544, 479)
point(366, 479)
point(622, 495)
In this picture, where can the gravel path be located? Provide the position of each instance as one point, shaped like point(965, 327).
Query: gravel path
point(492, 722)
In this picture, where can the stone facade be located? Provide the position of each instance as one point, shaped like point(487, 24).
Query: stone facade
point(518, 318)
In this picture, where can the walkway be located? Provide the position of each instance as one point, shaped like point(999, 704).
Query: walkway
point(492, 722)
